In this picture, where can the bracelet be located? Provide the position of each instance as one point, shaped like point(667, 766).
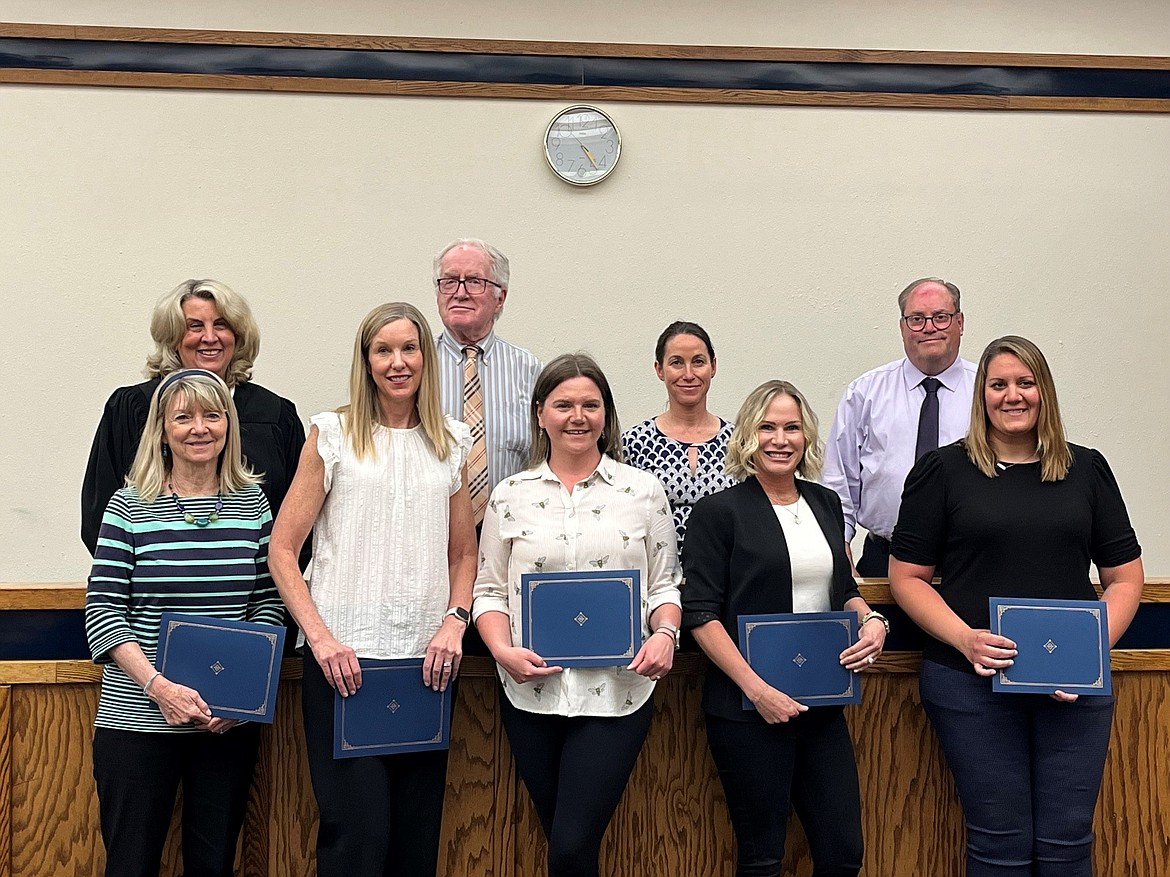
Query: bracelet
point(670, 630)
point(150, 682)
point(871, 615)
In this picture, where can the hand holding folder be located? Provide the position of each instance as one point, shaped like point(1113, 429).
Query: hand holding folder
point(233, 665)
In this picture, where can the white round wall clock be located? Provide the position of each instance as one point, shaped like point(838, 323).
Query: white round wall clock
point(582, 145)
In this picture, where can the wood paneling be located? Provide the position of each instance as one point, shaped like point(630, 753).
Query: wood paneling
point(1133, 813)
point(672, 819)
point(5, 781)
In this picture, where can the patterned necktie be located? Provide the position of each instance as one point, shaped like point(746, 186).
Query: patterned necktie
point(928, 419)
point(477, 477)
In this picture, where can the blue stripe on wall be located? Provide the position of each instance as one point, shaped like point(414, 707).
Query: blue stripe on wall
point(807, 76)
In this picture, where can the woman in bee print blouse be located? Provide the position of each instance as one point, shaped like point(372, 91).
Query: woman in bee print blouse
point(576, 732)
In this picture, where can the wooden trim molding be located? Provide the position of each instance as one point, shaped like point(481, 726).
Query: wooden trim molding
point(560, 47)
point(71, 595)
point(556, 70)
point(687, 664)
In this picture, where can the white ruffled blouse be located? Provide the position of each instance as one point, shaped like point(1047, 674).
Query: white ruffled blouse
point(380, 572)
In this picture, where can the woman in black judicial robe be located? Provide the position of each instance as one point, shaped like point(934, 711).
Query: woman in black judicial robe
point(199, 324)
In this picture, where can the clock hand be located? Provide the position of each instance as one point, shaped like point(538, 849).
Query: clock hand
point(588, 155)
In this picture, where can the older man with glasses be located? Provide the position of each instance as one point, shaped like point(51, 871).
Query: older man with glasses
point(892, 415)
point(485, 381)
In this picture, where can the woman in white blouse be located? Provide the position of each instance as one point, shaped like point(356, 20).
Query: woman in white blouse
point(576, 732)
point(382, 483)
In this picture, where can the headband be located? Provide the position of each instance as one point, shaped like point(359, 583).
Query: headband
point(175, 377)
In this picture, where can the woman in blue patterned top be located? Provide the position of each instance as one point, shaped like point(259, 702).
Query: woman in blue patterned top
point(685, 446)
point(188, 533)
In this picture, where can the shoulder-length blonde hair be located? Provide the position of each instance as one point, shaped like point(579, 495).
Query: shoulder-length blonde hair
point(361, 414)
point(185, 390)
point(745, 437)
point(1051, 445)
point(168, 325)
point(563, 368)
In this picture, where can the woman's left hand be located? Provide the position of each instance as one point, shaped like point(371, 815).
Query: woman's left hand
point(221, 726)
point(870, 640)
point(1063, 696)
point(441, 664)
point(655, 658)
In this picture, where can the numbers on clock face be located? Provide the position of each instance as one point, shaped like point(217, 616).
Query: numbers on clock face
point(582, 145)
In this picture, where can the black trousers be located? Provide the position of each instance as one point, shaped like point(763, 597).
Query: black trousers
point(575, 769)
point(138, 775)
point(380, 815)
point(875, 557)
point(807, 763)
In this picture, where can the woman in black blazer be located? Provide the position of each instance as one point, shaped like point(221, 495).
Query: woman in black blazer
point(772, 544)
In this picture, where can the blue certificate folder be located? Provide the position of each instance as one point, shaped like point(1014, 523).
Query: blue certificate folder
point(582, 619)
point(234, 665)
point(800, 654)
point(392, 712)
point(1060, 643)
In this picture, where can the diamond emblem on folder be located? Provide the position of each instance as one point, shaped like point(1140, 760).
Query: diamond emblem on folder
point(217, 668)
point(393, 706)
point(1050, 647)
point(799, 660)
point(581, 618)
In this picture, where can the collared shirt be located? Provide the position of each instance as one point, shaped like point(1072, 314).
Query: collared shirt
point(871, 447)
point(617, 518)
point(507, 373)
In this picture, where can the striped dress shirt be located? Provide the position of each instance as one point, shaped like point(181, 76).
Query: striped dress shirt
point(507, 373)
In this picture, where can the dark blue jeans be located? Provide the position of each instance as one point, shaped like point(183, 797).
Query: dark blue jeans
point(1028, 769)
point(807, 761)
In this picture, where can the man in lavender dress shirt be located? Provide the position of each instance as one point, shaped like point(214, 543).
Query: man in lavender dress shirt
point(873, 442)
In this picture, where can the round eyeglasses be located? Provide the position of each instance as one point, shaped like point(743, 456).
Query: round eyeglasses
point(917, 322)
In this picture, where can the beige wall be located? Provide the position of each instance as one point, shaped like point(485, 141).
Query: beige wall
point(786, 231)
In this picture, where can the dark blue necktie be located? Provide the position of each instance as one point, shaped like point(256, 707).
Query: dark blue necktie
point(928, 419)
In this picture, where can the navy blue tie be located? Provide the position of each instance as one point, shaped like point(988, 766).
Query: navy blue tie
point(928, 419)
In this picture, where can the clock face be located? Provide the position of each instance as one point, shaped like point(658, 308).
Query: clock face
point(582, 145)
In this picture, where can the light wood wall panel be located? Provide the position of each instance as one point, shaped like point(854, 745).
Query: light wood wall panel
point(671, 821)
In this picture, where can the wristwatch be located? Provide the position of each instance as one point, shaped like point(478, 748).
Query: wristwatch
point(460, 613)
point(871, 615)
point(668, 628)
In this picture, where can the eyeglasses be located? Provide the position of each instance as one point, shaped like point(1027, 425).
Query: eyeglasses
point(917, 322)
point(473, 285)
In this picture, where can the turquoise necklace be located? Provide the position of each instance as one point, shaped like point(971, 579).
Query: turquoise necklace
point(190, 518)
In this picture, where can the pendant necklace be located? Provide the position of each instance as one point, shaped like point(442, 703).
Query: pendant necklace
point(190, 518)
point(789, 509)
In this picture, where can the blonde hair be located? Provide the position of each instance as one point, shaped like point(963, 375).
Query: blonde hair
point(1051, 445)
point(745, 437)
point(168, 325)
point(361, 414)
point(188, 388)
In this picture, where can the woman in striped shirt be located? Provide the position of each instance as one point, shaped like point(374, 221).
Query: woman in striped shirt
point(188, 533)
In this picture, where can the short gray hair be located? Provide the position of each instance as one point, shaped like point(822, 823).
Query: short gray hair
point(499, 262)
